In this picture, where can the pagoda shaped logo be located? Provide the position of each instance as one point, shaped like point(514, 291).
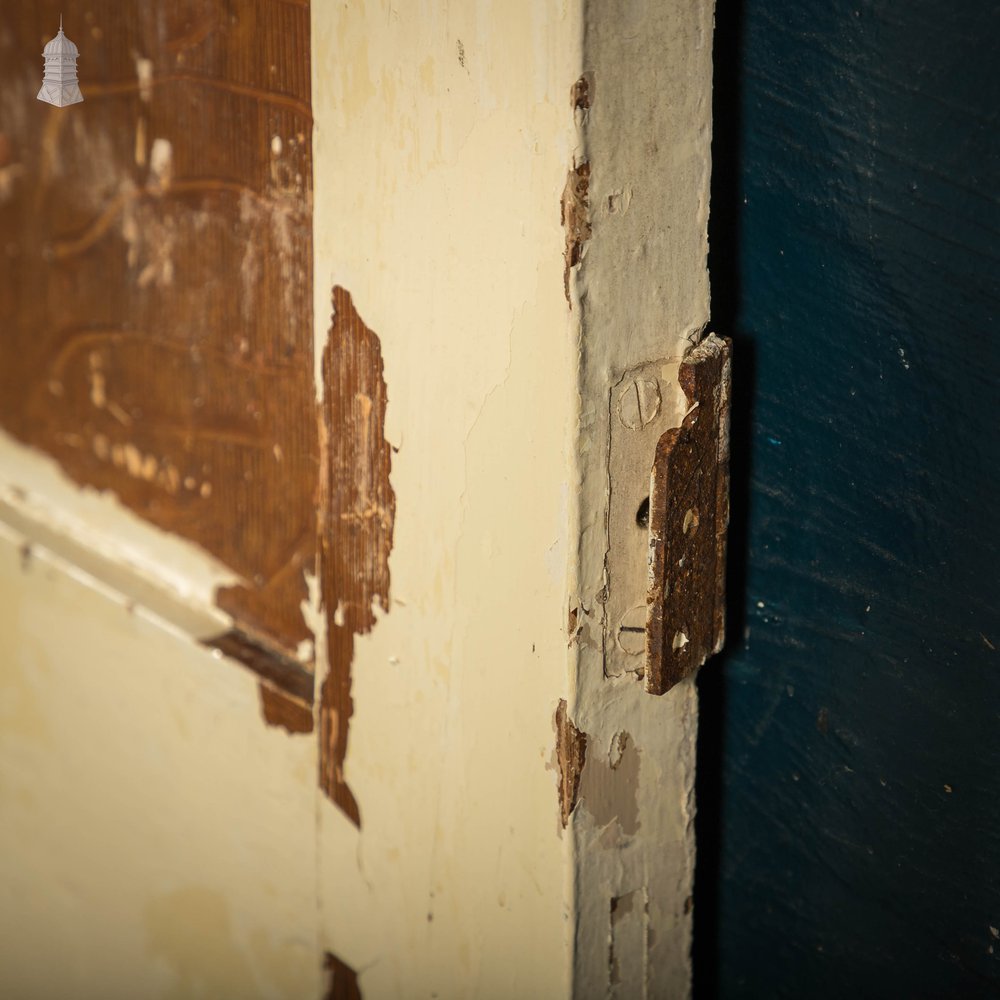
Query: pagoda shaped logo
point(59, 85)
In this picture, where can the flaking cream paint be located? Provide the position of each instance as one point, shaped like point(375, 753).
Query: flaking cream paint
point(443, 137)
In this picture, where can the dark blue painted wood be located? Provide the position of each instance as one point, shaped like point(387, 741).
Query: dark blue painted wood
point(850, 760)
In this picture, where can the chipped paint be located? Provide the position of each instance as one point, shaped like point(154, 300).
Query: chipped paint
point(281, 709)
point(493, 430)
point(357, 513)
point(571, 758)
point(640, 293)
point(144, 74)
point(342, 980)
point(161, 159)
point(575, 217)
point(609, 788)
point(138, 353)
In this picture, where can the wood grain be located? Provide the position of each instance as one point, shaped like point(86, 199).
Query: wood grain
point(281, 709)
point(156, 289)
point(357, 511)
point(571, 756)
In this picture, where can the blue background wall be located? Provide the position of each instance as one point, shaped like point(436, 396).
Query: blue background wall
point(849, 771)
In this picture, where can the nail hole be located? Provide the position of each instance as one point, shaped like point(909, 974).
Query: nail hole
point(642, 514)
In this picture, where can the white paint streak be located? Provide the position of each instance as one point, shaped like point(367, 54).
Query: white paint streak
point(144, 72)
point(140, 142)
point(161, 164)
point(40, 499)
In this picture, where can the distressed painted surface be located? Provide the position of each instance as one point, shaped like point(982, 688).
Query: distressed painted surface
point(858, 721)
point(443, 137)
point(357, 510)
point(155, 294)
point(641, 294)
point(571, 756)
point(440, 172)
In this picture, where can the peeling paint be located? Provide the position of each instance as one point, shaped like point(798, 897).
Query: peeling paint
point(627, 944)
point(161, 164)
point(357, 513)
point(571, 756)
point(575, 216)
point(281, 709)
point(609, 788)
point(640, 293)
point(282, 671)
point(144, 74)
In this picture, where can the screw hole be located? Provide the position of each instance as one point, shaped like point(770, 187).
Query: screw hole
point(642, 514)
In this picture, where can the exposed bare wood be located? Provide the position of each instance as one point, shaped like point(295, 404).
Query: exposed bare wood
point(357, 511)
point(156, 297)
point(571, 756)
point(281, 709)
point(342, 982)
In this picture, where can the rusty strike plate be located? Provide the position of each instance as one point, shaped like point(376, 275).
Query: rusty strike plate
point(688, 519)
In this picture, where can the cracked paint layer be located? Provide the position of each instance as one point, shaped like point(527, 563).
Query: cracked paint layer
point(357, 512)
point(571, 756)
point(575, 215)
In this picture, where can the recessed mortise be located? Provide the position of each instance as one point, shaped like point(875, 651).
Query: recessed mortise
point(642, 514)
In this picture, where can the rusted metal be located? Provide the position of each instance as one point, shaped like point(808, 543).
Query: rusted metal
point(688, 519)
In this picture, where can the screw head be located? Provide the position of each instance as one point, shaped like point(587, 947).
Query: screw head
point(639, 403)
point(632, 631)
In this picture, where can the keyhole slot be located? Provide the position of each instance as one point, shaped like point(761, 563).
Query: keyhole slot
point(642, 514)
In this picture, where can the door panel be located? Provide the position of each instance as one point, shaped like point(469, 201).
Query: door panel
point(848, 806)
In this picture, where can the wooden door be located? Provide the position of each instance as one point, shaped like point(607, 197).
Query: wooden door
point(848, 767)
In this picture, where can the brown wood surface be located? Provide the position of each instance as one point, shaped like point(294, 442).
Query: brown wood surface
point(357, 511)
point(155, 276)
point(571, 756)
point(342, 980)
point(281, 709)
